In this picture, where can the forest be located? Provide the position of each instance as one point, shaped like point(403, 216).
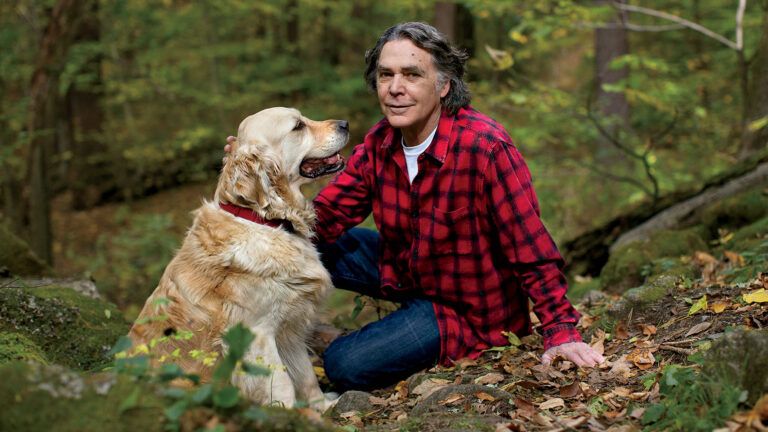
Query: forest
point(644, 125)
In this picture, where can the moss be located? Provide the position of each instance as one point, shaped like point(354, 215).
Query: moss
point(69, 328)
point(749, 235)
point(641, 298)
point(736, 211)
point(37, 397)
point(740, 359)
point(630, 265)
point(16, 346)
point(577, 290)
point(17, 258)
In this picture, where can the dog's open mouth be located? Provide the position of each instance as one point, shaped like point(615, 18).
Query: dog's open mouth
point(313, 168)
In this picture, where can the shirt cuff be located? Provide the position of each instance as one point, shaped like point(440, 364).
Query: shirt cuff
point(559, 334)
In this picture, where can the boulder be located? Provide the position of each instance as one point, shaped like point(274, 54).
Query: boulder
point(16, 258)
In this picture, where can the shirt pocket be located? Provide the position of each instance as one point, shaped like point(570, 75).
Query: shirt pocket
point(449, 231)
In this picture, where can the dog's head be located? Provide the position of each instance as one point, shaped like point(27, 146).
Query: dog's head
point(277, 150)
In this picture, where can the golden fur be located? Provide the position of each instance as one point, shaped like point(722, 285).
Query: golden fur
point(230, 270)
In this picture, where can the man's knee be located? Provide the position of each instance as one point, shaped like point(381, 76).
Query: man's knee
point(346, 373)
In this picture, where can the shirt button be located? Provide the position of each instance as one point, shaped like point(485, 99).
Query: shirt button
point(399, 285)
point(414, 213)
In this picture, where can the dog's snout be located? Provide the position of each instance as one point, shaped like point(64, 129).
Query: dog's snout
point(343, 125)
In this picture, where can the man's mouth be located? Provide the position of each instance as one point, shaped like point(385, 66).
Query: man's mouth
point(398, 109)
point(313, 168)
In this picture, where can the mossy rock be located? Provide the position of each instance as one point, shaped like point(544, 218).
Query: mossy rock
point(736, 211)
point(630, 265)
point(740, 358)
point(17, 258)
point(643, 297)
point(748, 236)
point(38, 397)
point(16, 346)
point(68, 328)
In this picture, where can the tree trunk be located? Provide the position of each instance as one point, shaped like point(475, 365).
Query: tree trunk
point(85, 117)
point(756, 103)
point(456, 22)
point(610, 44)
point(588, 253)
point(54, 46)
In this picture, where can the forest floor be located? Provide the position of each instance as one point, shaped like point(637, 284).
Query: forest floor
point(507, 389)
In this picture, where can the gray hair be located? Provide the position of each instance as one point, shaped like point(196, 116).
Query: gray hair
point(449, 60)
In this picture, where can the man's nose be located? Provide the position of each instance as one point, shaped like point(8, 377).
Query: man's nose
point(396, 85)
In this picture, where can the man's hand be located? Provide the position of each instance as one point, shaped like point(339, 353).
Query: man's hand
point(578, 352)
point(228, 146)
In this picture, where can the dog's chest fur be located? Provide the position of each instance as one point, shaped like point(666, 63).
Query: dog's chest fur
point(232, 270)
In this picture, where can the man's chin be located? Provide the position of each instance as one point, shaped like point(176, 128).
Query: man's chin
point(398, 121)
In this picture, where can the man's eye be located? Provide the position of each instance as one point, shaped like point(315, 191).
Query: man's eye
point(299, 125)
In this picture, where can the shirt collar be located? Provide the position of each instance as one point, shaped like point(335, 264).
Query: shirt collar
point(438, 150)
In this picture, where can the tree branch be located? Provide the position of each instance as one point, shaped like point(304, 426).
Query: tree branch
point(631, 27)
point(684, 22)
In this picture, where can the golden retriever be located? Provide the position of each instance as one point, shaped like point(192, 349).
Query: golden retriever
point(265, 273)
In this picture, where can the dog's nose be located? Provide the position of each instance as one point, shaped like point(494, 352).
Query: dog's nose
point(343, 125)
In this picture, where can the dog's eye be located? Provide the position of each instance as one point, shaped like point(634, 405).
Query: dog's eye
point(299, 125)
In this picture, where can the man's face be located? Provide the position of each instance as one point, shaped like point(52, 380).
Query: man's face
point(406, 83)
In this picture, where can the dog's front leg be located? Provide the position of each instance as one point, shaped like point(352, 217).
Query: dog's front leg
point(302, 373)
point(277, 387)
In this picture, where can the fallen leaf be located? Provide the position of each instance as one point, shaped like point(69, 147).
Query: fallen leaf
point(524, 407)
point(375, 400)
point(489, 378)
point(700, 304)
point(648, 329)
point(702, 258)
point(719, 306)
point(429, 386)
point(735, 258)
point(541, 420)
point(483, 396)
point(465, 362)
point(698, 328)
point(642, 358)
point(620, 331)
point(587, 320)
point(598, 342)
point(571, 390)
point(637, 413)
point(759, 296)
point(552, 403)
point(621, 367)
point(451, 399)
point(402, 389)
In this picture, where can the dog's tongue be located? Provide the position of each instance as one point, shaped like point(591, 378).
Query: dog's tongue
point(314, 163)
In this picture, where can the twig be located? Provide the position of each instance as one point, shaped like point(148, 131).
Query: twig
point(682, 342)
point(684, 22)
point(677, 349)
point(631, 27)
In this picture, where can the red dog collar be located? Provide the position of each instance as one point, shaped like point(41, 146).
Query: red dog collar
point(246, 213)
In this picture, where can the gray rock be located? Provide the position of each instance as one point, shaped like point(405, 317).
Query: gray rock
point(432, 403)
point(740, 358)
point(85, 287)
point(353, 400)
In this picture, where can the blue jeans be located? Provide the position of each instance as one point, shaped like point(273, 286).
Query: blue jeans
point(390, 349)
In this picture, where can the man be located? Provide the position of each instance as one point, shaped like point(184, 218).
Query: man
point(460, 243)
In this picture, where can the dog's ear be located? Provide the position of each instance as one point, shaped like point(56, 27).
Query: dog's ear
point(246, 178)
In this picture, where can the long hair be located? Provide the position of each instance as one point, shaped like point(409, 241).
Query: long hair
point(448, 60)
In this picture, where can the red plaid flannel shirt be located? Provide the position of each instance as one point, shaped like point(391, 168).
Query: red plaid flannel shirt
point(466, 234)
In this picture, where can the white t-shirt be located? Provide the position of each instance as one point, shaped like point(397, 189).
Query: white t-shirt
point(412, 154)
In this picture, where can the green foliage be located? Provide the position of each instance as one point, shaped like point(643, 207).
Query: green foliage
point(219, 395)
point(128, 266)
point(691, 401)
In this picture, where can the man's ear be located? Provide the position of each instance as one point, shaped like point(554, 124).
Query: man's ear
point(445, 89)
point(245, 179)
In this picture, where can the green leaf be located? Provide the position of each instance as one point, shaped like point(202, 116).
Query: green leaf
point(226, 397)
point(108, 313)
point(758, 124)
point(653, 414)
point(170, 371)
point(202, 394)
point(512, 338)
point(121, 345)
point(131, 401)
point(175, 411)
point(224, 369)
point(238, 338)
point(255, 370)
point(700, 304)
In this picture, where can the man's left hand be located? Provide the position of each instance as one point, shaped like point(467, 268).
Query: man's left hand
point(578, 352)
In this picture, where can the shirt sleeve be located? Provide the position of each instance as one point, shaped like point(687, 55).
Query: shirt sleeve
point(527, 245)
point(346, 201)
